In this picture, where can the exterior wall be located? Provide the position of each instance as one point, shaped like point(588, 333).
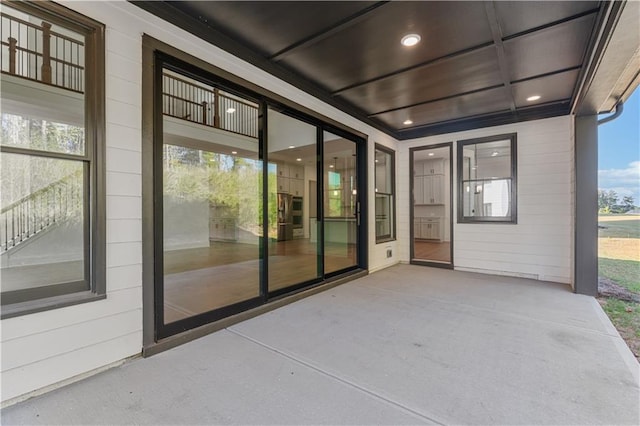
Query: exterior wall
point(540, 246)
point(42, 349)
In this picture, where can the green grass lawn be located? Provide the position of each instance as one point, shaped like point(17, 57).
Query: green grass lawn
point(619, 261)
point(618, 228)
point(623, 272)
point(623, 314)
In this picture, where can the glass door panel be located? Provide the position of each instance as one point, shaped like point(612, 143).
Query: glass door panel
point(340, 203)
point(431, 204)
point(293, 235)
point(211, 200)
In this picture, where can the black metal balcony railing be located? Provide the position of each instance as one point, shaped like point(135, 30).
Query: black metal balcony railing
point(35, 52)
point(23, 219)
point(188, 101)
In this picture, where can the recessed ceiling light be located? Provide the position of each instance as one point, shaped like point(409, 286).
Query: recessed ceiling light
point(431, 154)
point(410, 40)
point(494, 153)
point(331, 166)
point(291, 146)
point(298, 159)
point(231, 110)
point(407, 122)
point(234, 152)
point(533, 98)
point(376, 161)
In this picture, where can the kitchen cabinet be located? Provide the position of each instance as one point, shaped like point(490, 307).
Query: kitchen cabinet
point(282, 170)
point(418, 190)
point(427, 228)
point(434, 189)
point(296, 172)
point(290, 179)
point(283, 184)
point(296, 187)
point(223, 229)
point(429, 167)
point(428, 189)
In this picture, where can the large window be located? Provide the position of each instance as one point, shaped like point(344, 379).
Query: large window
point(384, 191)
point(51, 125)
point(487, 179)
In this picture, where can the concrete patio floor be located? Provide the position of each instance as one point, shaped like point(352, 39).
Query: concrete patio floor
point(407, 345)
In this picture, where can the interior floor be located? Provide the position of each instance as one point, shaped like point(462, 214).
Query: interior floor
point(432, 250)
point(31, 276)
point(198, 280)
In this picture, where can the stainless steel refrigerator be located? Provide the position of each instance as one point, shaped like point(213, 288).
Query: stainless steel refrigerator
point(285, 217)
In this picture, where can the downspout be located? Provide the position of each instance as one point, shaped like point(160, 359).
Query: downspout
point(616, 114)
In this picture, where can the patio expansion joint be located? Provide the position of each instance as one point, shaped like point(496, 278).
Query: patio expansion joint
point(427, 418)
point(610, 334)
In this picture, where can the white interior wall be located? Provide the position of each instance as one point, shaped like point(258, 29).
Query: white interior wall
point(540, 245)
point(42, 349)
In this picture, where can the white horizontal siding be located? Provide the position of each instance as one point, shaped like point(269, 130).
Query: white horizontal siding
point(540, 244)
point(119, 301)
point(35, 347)
point(22, 380)
point(47, 347)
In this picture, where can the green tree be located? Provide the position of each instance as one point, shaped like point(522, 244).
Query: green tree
point(607, 201)
point(627, 203)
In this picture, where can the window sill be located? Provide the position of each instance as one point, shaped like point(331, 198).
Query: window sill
point(490, 221)
point(41, 305)
point(384, 240)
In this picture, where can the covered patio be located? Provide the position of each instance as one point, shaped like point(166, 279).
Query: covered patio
point(406, 345)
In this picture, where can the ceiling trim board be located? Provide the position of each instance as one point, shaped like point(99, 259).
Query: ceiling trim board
point(428, 63)
point(550, 110)
point(496, 33)
point(457, 95)
point(327, 32)
point(552, 24)
point(547, 74)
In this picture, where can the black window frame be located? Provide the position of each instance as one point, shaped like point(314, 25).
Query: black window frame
point(386, 238)
point(513, 218)
point(22, 302)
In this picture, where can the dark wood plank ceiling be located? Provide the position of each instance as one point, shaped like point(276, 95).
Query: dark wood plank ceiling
point(476, 65)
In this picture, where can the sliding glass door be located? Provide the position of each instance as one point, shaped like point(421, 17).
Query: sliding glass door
point(294, 247)
point(251, 201)
point(211, 191)
point(340, 201)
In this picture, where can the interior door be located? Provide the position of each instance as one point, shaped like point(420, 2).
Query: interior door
point(431, 205)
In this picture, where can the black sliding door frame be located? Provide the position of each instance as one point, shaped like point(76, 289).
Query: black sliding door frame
point(163, 61)
point(163, 330)
point(362, 259)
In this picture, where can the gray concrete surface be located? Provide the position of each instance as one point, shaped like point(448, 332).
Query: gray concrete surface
point(407, 345)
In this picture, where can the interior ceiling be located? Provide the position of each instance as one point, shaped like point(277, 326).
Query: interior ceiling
point(476, 65)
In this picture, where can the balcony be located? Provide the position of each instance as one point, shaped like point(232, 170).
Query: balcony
point(207, 105)
point(38, 53)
